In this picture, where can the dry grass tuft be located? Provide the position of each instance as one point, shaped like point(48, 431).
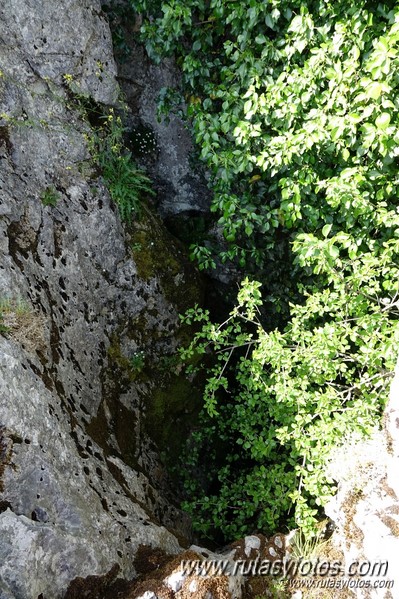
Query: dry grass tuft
point(18, 321)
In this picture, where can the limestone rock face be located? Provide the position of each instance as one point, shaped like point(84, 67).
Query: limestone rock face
point(183, 188)
point(67, 515)
point(81, 486)
point(366, 507)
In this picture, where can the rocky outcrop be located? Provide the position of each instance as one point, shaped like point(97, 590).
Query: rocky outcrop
point(195, 574)
point(164, 145)
point(366, 507)
point(82, 486)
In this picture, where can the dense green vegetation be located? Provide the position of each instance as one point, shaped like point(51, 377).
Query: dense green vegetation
point(294, 110)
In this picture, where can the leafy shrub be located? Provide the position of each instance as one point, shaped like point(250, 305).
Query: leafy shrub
point(276, 403)
point(282, 96)
point(294, 109)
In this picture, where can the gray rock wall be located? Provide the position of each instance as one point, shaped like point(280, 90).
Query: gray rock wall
point(81, 484)
point(366, 507)
point(169, 156)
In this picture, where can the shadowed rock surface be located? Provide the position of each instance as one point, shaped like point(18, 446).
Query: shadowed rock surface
point(82, 485)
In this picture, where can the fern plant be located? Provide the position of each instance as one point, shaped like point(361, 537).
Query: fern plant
point(126, 181)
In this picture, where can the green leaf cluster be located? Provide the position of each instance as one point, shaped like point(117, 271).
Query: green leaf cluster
point(282, 96)
point(276, 403)
point(50, 197)
point(294, 108)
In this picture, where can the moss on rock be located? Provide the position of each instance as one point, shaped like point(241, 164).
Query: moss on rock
point(142, 352)
point(171, 413)
point(158, 254)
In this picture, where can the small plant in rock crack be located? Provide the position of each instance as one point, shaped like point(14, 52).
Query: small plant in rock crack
point(307, 547)
point(3, 327)
point(126, 182)
point(137, 361)
point(49, 196)
point(277, 589)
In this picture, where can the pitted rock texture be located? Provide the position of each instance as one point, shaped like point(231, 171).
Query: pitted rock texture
point(58, 526)
point(366, 507)
point(42, 42)
point(81, 485)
